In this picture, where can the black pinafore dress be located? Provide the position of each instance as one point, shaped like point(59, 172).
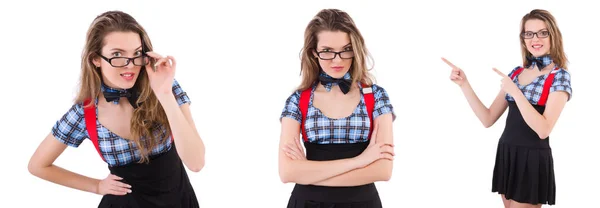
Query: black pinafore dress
point(312, 196)
point(163, 182)
point(524, 168)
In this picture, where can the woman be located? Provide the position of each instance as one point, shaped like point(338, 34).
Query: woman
point(136, 115)
point(535, 95)
point(335, 109)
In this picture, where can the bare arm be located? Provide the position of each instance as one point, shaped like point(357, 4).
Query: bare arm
point(487, 116)
point(41, 165)
point(189, 144)
point(306, 171)
point(542, 124)
point(380, 170)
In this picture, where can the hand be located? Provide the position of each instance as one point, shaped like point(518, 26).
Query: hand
point(507, 84)
point(457, 75)
point(162, 74)
point(294, 150)
point(375, 151)
point(112, 185)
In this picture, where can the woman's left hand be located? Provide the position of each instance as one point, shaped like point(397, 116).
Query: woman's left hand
point(507, 84)
point(162, 74)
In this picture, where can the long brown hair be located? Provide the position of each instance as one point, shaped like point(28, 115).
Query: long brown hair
point(556, 44)
point(333, 20)
point(149, 116)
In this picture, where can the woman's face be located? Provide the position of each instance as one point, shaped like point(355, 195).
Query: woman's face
point(119, 48)
point(334, 52)
point(536, 37)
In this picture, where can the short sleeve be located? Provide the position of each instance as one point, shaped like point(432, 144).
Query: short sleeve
point(513, 71)
point(70, 129)
point(291, 108)
point(180, 95)
point(562, 82)
point(383, 105)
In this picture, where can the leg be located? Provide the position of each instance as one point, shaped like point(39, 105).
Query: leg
point(514, 204)
point(505, 201)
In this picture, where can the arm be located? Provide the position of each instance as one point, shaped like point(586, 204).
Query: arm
point(41, 165)
point(542, 124)
point(487, 116)
point(380, 170)
point(189, 144)
point(306, 171)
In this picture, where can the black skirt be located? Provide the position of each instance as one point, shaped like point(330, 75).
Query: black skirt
point(524, 168)
point(161, 183)
point(311, 196)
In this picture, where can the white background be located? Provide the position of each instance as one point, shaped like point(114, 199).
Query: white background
point(238, 61)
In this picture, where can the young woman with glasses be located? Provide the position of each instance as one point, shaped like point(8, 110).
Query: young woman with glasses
point(342, 118)
point(535, 95)
point(136, 115)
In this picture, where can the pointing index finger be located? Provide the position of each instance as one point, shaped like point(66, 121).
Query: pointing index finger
point(449, 63)
point(499, 72)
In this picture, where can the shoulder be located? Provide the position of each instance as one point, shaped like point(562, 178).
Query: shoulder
point(514, 70)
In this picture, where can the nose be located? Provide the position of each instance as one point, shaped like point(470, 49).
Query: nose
point(337, 58)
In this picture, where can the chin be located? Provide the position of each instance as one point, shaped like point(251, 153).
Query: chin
point(336, 74)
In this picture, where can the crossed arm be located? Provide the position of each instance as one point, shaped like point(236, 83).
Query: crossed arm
point(293, 166)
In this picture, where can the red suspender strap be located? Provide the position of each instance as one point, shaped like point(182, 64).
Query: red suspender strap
point(90, 124)
point(370, 103)
point(517, 72)
point(547, 85)
point(303, 104)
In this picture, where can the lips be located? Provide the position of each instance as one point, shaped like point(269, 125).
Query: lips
point(128, 76)
point(337, 68)
point(537, 46)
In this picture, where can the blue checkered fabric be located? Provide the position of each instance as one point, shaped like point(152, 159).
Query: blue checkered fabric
point(352, 129)
point(117, 151)
point(533, 90)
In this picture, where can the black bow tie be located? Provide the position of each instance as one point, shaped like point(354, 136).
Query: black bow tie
point(130, 94)
point(343, 83)
point(539, 61)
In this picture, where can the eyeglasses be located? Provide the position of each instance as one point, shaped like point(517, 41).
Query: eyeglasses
point(330, 55)
point(124, 61)
point(539, 34)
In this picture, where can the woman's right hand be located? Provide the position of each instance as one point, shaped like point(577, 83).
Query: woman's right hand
point(112, 185)
point(375, 151)
point(457, 75)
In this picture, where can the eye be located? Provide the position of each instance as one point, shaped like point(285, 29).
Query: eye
point(544, 33)
point(116, 54)
point(137, 53)
point(326, 50)
point(348, 49)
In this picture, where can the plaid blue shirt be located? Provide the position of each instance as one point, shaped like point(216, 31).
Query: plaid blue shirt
point(117, 151)
point(355, 128)
point(533, 90)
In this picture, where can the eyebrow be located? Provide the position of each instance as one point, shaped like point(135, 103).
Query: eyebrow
point(538, 30)
point(327, 47)
point(121, 50)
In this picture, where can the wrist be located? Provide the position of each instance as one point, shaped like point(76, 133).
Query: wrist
point(465, 86)
point(162, 97)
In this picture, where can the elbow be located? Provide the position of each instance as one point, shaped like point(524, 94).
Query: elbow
point(543, 135)
point(386, 171)
point(487, 124)
point(284, 176)
point(33, 169)
point(197, 166)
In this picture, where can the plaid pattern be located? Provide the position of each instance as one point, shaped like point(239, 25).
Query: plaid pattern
point(533, 90)
point(352, 129)
point(117, 151)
